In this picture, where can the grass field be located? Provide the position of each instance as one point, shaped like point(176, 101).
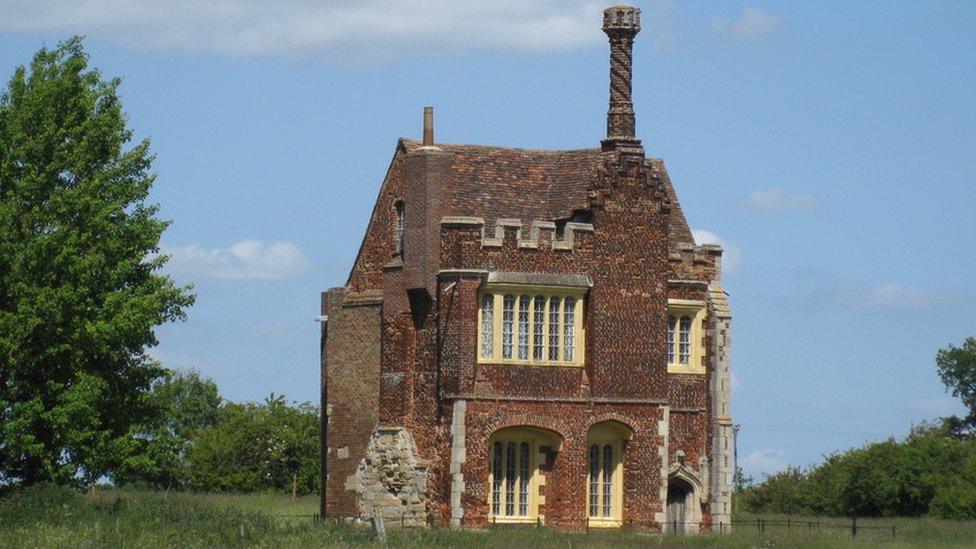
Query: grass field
point(51, 517)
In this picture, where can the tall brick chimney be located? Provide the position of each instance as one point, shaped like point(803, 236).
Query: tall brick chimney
point(621, 23)
point(428, 127)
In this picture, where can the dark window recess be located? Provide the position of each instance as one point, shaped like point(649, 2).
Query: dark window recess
point(578, 216)
point(420, 306)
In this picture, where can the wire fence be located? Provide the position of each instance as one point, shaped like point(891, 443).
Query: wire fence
point(376, 527)
point(853, 527)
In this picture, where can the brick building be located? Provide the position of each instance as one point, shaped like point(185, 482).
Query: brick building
point(530, 336)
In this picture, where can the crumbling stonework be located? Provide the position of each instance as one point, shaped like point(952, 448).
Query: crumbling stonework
point(391, 480)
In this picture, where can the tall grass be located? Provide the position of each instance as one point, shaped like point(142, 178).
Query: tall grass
point(58, 517)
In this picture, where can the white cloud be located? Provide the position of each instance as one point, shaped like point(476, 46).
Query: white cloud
point(779, 200)
point(753, 25)
point(764, 462)
point(346, 30)
point(896, 295)
point(731, 256)
point(245, 260)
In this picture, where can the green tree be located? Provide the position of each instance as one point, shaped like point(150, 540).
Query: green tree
point(782, 492)
point(185, 404)
point(80, 292)
point(957, 370)
point(258, 447)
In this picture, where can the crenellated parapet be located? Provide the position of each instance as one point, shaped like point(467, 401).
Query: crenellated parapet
point(695, 262)
point(539, 234)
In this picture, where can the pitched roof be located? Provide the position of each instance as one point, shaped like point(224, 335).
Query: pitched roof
point(529, 184)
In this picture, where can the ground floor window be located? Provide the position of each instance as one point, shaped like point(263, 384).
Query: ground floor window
point(604, 482)
point(512, 472)
point(516, 454)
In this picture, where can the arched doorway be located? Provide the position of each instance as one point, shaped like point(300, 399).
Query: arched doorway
point(679, 508)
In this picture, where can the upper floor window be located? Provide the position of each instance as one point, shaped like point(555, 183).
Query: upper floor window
point(543, 327)
point(399, 228)
point(684, 340)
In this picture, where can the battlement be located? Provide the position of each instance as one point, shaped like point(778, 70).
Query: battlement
point(538, 234)
point(696, 262)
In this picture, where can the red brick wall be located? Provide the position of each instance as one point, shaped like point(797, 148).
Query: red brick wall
point(425, 362)
point(378, 245)
point(351, 371)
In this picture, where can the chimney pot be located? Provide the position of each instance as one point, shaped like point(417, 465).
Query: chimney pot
point(428, 126)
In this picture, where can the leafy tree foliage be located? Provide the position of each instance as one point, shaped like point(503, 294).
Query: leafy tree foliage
point(255, 447)
point(933, 471)
point(186, 404)
point(80, 292)
point(927, 473)
point(957, 369)
point(199, 441)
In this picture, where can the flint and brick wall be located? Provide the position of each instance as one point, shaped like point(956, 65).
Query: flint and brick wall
point(427, 360)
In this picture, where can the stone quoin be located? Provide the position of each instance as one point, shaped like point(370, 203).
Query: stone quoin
point(530, 337)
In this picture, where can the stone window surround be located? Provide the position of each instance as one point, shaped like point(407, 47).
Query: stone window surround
point(499, 291)
point(695, 309)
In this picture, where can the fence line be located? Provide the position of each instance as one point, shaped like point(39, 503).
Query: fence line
point(760, 523)
point(853, 526)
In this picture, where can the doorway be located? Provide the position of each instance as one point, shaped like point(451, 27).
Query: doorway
point(677, 510)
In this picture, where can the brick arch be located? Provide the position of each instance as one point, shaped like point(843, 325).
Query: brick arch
point(614, 416)
point(528, 420)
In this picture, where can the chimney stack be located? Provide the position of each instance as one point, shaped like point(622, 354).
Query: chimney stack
point(428, 126)
point(621, 24)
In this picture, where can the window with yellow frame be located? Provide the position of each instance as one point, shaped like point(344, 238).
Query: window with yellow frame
point(515, 454)
point(604, 478)
point(684, 341)
point(528, 325)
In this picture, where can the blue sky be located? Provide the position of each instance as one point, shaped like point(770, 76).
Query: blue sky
point(829, 146)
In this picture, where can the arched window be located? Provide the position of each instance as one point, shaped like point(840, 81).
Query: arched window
point(514, 476)
point(594, 480)
point(605, 473)
point(608, 466)
point(496, 475)
point(400, 228)
point(510, 479)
